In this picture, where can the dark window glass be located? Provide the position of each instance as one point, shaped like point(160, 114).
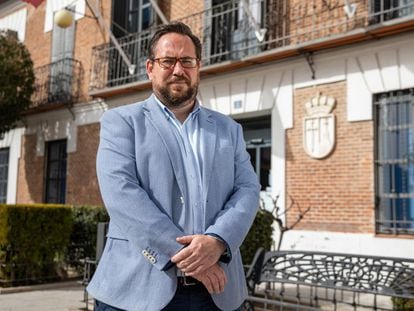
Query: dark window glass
point(4, 168)
point(55, 177)
point(257, 134)
point(394, 161)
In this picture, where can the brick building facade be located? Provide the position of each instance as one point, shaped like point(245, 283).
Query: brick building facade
point(264, 63)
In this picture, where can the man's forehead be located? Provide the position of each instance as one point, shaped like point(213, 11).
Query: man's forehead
point(174, 42)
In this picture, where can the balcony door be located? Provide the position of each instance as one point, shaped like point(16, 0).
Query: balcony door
point(231, 33)
point(131, 21)
point(60, 79)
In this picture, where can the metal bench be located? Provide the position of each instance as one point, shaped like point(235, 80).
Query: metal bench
point(299, 280)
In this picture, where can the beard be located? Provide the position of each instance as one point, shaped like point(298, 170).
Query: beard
point(176, 99)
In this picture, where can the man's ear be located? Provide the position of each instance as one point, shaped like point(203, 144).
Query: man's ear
point(149, 66)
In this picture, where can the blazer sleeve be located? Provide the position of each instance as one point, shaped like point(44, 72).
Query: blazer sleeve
point(236, 217)
point(131, 211)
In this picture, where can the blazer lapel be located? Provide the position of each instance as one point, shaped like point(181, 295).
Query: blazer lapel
point(208, 136)
point(160, 123)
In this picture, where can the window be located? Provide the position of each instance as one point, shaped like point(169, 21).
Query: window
point(131, 21)
point(384, 10)
point(131, 16)
point(231, 34)
point(55, 176)
point(257, 134)
point(394, 161)
point(4, 169)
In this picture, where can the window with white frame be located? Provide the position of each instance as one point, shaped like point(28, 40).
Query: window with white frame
point(394, 161)
point(4, 169)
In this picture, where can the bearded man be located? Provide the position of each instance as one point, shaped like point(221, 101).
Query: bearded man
point(180, 191)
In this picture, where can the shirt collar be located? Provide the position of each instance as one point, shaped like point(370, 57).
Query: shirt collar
point(169, 114)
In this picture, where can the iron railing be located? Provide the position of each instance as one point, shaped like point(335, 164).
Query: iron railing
point(59, 82)
point(228, 32)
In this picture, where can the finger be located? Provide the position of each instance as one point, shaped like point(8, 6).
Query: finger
point(207, 283)
point(216, 284)
point(185, 239)
point(219, 280)
point(193, 269)
point(181, 255)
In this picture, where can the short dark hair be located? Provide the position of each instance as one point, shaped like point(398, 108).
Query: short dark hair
point(175, 27)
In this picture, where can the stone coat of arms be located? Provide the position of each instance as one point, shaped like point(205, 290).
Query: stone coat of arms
point(319, 126)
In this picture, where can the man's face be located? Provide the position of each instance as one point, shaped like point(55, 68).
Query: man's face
point(176, 85)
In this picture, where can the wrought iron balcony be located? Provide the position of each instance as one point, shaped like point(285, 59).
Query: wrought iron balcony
point(58, 83)
point(230, 33)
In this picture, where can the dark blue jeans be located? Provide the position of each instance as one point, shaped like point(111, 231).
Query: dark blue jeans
point(191, 298)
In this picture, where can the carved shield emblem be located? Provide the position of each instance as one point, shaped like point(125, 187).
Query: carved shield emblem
point(319, 127)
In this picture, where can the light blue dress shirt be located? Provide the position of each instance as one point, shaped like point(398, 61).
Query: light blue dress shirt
point(190, 144)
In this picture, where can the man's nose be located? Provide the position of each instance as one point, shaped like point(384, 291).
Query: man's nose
point(178, 69)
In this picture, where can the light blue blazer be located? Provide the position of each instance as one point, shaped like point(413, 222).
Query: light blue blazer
point(141, 178)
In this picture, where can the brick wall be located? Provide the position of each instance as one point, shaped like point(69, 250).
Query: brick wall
point(310, 20)
point(30, 177)
point(176, 9)
point(82, 184)
point(339, 189)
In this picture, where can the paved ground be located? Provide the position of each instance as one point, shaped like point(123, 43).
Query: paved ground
point(66, 296)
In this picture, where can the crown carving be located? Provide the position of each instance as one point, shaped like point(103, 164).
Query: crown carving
point(320, 104)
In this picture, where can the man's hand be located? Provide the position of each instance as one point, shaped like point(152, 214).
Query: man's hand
point(214, 279)
point(201, 253)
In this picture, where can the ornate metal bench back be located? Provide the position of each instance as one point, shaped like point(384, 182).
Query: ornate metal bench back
point(365, 274)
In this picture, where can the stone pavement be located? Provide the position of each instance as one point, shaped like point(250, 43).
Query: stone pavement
point(65, 296)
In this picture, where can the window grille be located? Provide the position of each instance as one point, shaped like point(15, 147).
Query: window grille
point(394, 161)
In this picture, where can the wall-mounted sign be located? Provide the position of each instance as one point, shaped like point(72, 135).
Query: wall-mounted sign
point(319, 126)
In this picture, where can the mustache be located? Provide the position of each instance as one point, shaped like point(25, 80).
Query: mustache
point(178, 79)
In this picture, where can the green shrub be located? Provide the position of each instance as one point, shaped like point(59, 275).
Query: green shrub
point(83, 237)
point(260, 235)
point(33, 239)
point(403, 304)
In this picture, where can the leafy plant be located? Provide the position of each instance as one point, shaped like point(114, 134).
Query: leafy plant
point(84, 232)
point(33, 238)
point(17, 81)
point(260, 235)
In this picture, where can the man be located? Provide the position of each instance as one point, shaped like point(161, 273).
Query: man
point(180, 191)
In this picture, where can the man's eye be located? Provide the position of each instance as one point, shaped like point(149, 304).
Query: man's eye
point(168, 62)
point(187, 61)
